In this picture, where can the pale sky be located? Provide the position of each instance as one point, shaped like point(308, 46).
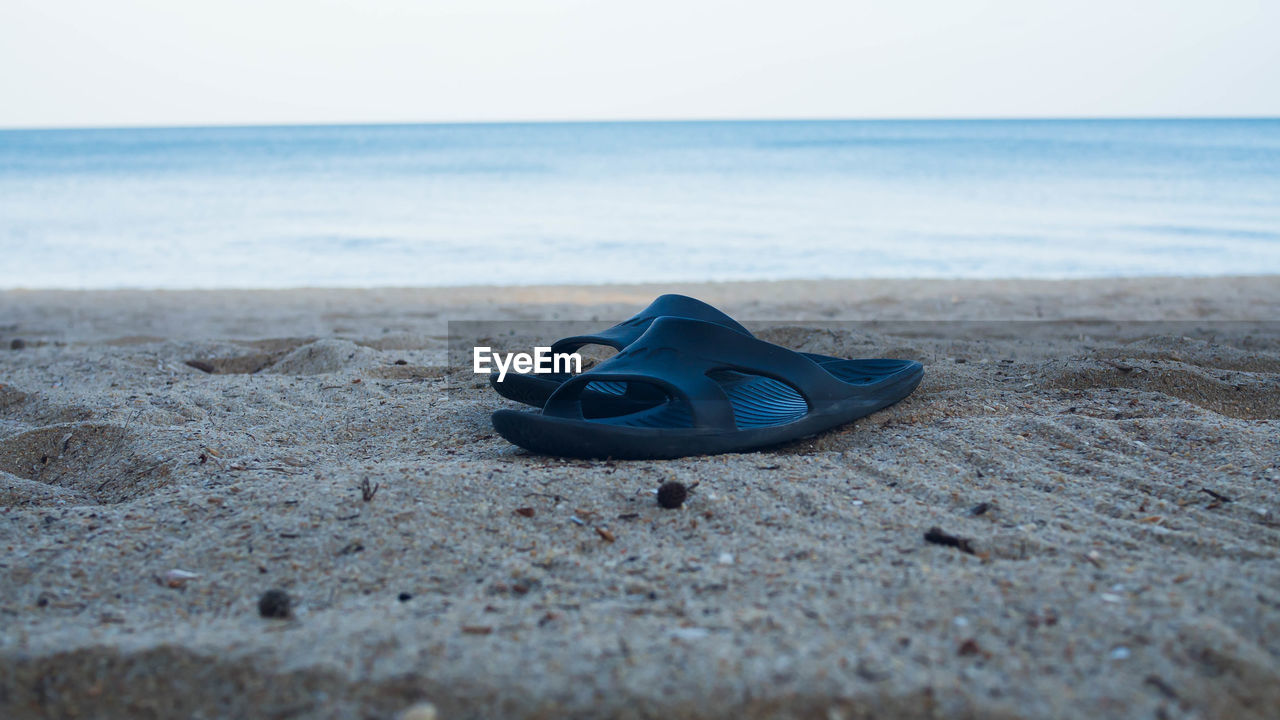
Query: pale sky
point(183, 62)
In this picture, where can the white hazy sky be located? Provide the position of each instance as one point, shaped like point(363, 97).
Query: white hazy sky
point(165, 62)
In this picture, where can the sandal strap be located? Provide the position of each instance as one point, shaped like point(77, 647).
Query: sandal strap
point(628, 331)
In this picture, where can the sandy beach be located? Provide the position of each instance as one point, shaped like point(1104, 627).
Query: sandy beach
point(1109, 450)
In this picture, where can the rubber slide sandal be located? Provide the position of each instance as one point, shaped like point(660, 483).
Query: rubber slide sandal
point(602, 399)
point(723, 391)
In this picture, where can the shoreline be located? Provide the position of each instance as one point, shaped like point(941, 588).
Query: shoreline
point(1118, 488)
point(248, 314)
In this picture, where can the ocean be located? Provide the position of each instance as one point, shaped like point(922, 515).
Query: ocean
point(551, 203)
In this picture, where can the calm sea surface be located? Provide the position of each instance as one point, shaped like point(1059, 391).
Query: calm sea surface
point(614, 202)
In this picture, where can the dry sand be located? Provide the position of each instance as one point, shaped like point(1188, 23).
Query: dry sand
point(1116, 479)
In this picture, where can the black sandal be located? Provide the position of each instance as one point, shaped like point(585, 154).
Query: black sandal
point(710, 389)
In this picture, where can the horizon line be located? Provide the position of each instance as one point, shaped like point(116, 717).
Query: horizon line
point(635, 121)
point(1046, 279)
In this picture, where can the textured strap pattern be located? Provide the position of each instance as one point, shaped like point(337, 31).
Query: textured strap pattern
point(677, 353)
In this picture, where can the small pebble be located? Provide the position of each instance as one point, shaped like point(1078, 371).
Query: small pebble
point(275, 604)
point(178, 578)
point(419, 711)
point(1120, 653)
point(672, 495)
point(404, 597)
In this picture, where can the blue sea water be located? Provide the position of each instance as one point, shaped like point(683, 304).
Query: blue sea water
point(399, 205)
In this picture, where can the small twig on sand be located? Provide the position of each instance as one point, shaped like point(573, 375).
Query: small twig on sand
point(1122, 367)
point(367, 491)
point(1216, 496)
point(552, 496)
point(938, 537)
